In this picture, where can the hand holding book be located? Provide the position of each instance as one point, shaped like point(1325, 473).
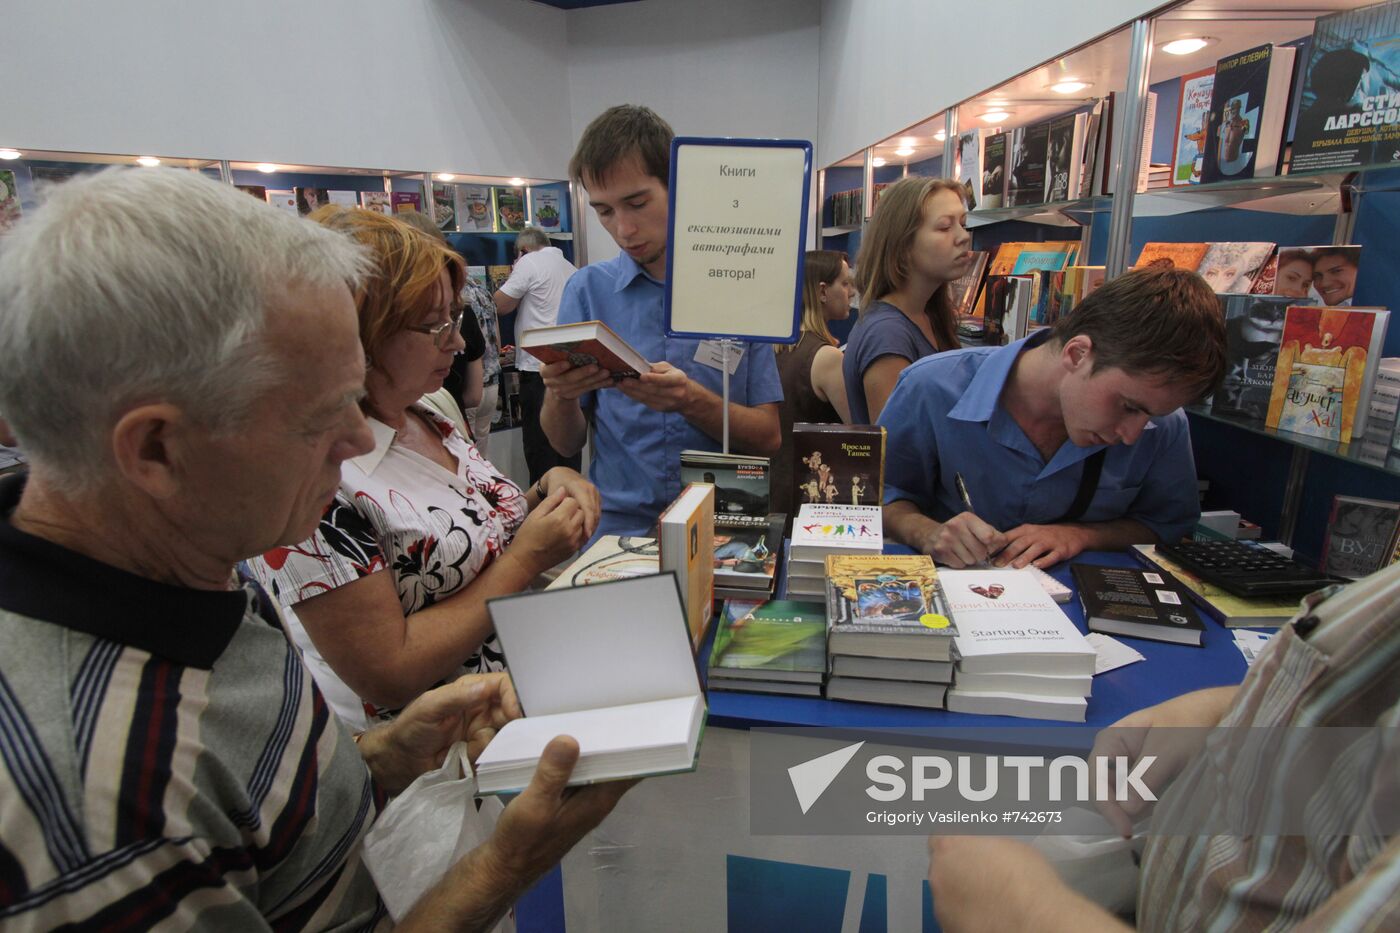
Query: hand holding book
point(664, 388)
point(570, 382)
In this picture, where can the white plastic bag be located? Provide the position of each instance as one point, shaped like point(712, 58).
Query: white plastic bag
point(425, 830)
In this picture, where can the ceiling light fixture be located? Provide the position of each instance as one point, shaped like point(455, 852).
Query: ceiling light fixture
point(267, 168)
point(148, 161)
point(1187, 44)
point(907, 142)
point(444, 176)
point(1069, 86)
point(517, 182)
point(877, 161)
point(904, 151)
point(995, 116)
point(8, 154)
point(941, 135)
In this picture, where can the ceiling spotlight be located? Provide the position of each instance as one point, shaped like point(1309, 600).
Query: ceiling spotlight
point(941, 135)
point(8, 154)
point(1069, 86)
point(904, 151)
point(1187, 45)
point(995, 116)
point(517, 182)
point(907, 142)
point(148, 161)
point(444, 176)
point(877, 161)
point(267, 168)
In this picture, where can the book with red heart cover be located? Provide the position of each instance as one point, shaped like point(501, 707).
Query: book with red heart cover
point(1006, 623)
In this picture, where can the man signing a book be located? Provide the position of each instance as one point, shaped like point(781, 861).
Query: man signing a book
point(1069, 440)
point(640, 426)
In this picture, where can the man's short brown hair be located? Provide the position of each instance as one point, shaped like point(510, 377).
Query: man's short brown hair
point(618, 134)
point(1159, 322)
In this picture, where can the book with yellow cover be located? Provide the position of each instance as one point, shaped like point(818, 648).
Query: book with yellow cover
point(1172, 255)
point(686, 531)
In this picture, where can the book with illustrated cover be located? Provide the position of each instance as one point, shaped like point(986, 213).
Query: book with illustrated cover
point(475, 212)
point(10, 209)
point(1347, 77)
point(510, 209)
point(1006, 317)
point(780, 639)
point(685, 533)
point(1029, 148)
point(445, 206)
point(838, 464)
point(406, 201)
point(377, 201)
point(548, 215)
point(1136, 603)
point(284, 199)
point(747, 537)
point(1064, 156)
point(1171, 255)
point(1091, 158)
point(1326, 366)
point(963, 291)
point(1360, 536)
point(611, 557)
point(1192, 127)
point(970, 166)
point(477, 274)
point(498, 275)
point(993, 172)
point(819, 530)
point(1033, 257)
point(1253, 333)
point(583, 344)
point(1007, 623)
point(1322, 274)
point(1248, 109)
point(308, 199)
point(1233, 267)
point(886, 606)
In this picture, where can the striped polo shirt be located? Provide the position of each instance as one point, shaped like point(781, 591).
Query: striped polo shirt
point(1337, 665)
point(165, 760)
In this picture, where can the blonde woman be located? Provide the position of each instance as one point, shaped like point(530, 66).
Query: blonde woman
point(814, 389)
point(917, 245)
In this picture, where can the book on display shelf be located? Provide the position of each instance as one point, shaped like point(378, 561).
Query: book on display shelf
point(10, 208)
point(1317, 274)
point(1007, 623)
point(838, 464)
point(309, 198)
point(1171, 255)
point(718, 681)
point(1090, 169)
point(969, 165)
point(1248, 109)
point(406, 201)
point(497, 275)
point(509, 208)
point(1233, 267)
point(1360, 537)
point(1227, 609)
point(1064, 157)
point(585, 343)
point(1103, 166)
point(545, 203)
point(1026, 180)
point(347, 199)
point(257, 191)
point(685, 534)
point(642, 718)
point(1136, 603)
point(887, 692)
point(963, 291)
point(993, 172)
point(1253, 333)
point(777, 641)
point(1192, 127)
point(1006, 317)
point(1327, 362)
point(445, 206)
point(284, 199)
point(378, 201)
point(1346, 91)
point(475, 210)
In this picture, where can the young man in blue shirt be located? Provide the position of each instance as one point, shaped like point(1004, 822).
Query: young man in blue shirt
point(640, 426)
point(1070, 440)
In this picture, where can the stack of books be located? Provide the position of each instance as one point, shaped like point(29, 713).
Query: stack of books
point(1017, 652)
point(778, 646)
point(823, 530)
point(1380, 445)
point(888, 638)
point(747, 538)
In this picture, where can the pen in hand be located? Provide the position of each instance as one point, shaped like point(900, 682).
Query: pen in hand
point(961, 486)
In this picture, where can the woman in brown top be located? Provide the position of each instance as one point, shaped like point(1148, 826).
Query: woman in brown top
point(813, 387)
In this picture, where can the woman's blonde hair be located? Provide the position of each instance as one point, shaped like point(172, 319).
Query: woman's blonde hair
point(884, 251)
point(820, 267)
point(401, 288)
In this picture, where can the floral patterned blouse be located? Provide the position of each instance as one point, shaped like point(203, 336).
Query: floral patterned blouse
point(401, 512)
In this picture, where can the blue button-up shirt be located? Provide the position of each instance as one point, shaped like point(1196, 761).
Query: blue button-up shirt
point(944, 417)
point(636, 457)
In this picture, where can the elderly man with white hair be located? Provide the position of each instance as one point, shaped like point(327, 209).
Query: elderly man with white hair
point(164, 759)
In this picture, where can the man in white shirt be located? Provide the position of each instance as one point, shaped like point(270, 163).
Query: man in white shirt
point(534, 288)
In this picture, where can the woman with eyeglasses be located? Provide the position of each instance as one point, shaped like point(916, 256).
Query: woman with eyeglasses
point(388, 597)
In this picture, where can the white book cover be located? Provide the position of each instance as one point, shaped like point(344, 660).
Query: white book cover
point(836, 529)
point(1006, 622)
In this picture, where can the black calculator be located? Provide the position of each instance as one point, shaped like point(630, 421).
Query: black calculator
point(1248, 570)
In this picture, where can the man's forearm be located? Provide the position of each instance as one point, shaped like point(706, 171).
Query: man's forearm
point(907, 525)
point(473, 895)
point(1116, 535)
point(563, 423)
point(753, 429)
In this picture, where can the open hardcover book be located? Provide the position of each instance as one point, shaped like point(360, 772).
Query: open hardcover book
point(640, 718)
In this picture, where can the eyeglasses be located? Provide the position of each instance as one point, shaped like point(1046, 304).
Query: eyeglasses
point(443, 333)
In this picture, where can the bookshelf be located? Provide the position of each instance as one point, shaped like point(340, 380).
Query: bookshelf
point(1285, 481)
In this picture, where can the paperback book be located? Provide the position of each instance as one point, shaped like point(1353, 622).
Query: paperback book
point(747, 537)
point(1063, 156)
point(1136, 603)
point(510, 209)
point(1029, 149)
point(1360, 536)
point(10, 209)
point(779, 640)
point(1253, 334)
point(309, 199)
point(970, 166)
point(993, 172)
point(1227, 609)
point(377, 201)
point(820, 530)
point(1318, 274)
point(406, 201)
point(1232, 267)
point(475, 212)
point(284, 199)
point(963, 291)
point(1326, 367)
point(886, 606)
point(586, 343)
point(685, 532)
point(1192, 127)
point(838, 464)
point(445, 206)
point(545, 203)
point(888, 692)
point(1248, 109)
point(1007, 623)
point(257, 191)
point(611, 557)
point(1171, 256)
